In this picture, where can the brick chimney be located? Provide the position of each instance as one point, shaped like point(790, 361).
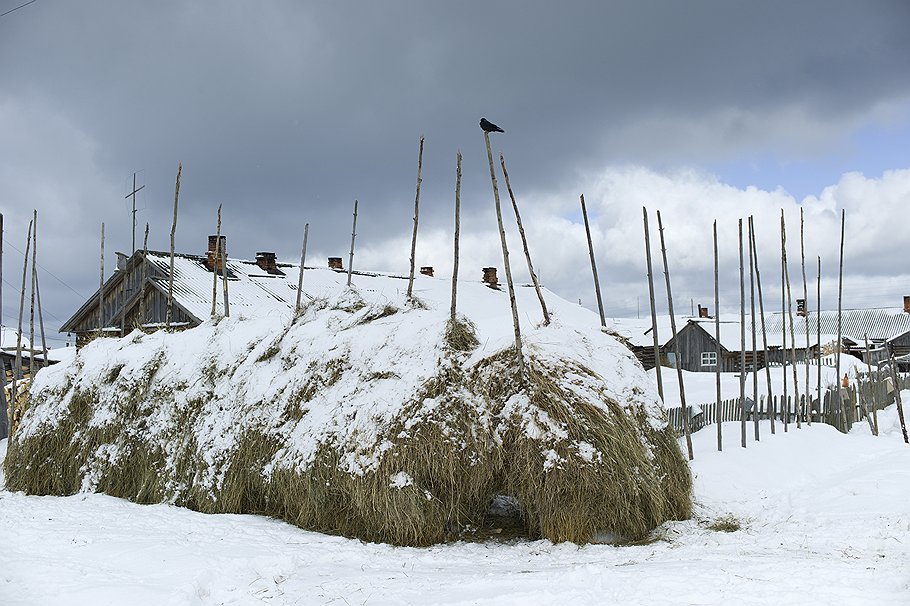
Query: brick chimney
point(266, 261)
point(489, 277)
point(801, 307)
point(426, 270)
point(907, 304)
point(335, 263)
point(211, 263)
point(702, 312)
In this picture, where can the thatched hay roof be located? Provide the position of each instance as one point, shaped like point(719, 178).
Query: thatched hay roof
point(367, 415)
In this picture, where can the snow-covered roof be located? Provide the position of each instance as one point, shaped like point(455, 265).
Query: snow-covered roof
point(731, 335)
point(879, 323)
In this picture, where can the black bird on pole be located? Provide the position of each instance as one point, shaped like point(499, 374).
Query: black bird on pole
point(489, 127)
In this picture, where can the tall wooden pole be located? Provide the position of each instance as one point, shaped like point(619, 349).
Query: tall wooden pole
point(31, 309)
point(505, 257)
point(215, 263)
point(17, 371)
point(792, 336)
point(742, 337)
point(38, 293)
point(717, 412)
point(840, 296)
point(224, 280)
point(754, 347)
point(4, 405)
point(784, 402)
point(818, 329)
point(101, 287)
point(170, 281)
point(679, 373)
point(769, 405)
point(600, 303)
point(306, 235)
point(416, 216)
point(457, 232)
point(143, 319)
point(524, 244)
point(802, 255)
point(353, 235)
point(657, 365)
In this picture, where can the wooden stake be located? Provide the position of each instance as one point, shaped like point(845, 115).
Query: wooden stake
point(679, 374)
point(524, 244)
point(145, 254)
point(416, 216)
point(840, 294)
point(353, 235)
point(792, 334)
point(224, 280)
point(717, 419)
point(306, 235)
point(742, 338)
point(457, 231)
point(600, 303)
point(802, 256)
point(170, 281)
point(657, 364)
point(31, 309)
point(818, 328)
point(764, 334)
point(874, 402)
point(785, 416)
point(4, 405)
point(754, 347)
point(897, 397)
point(38, 292)
point(215, 264)
point(101, 287)
point(17, 371)
point(505, 258)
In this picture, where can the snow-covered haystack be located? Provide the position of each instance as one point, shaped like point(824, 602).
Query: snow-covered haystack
point(367, 415)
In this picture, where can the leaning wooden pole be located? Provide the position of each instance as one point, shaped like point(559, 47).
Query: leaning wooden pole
point(679, 374)
point(306, 235)
point(144, 277)
point(17, 370)
point(769, 405)
point(101, 286)
point(897, 399)
point(600, 303)
point(170, 279)
point(31, 308)
point(840, 298)
point(224, 280)
point(216, 261)
point(818, 329)
point(792, 336)
point(505, 257)
point(802, 256)
point(718, 418)
point(416, 217)
point(742, 338)
point(4, 405)
point(38, 293)
point(657, 365)
point(755, 398)
point(457, 233)
point(524, 244)
point(353, 236)
point(784, 399)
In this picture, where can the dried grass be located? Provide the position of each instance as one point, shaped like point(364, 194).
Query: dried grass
point(461, 453)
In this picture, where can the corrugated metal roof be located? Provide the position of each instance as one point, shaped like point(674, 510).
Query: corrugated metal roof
point(879, 323)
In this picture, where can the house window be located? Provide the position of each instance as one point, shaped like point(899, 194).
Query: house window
point(709, 358)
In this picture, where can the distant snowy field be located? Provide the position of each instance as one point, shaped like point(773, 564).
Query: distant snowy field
point(825, 520)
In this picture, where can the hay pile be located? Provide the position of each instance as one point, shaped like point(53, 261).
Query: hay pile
point(366, 417)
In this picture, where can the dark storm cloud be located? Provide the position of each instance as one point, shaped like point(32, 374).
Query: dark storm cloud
point(285, 112)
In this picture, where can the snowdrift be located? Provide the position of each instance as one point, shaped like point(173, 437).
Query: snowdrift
point(367, 415)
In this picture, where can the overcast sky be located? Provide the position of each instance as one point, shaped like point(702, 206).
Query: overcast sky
point(285, 112)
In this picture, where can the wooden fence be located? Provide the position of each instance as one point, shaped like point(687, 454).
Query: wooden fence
point(839, 407)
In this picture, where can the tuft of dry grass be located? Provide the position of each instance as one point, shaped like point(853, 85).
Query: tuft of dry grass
point(727, 523)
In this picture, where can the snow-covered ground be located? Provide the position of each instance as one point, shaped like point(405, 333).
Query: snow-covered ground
point(825, 519)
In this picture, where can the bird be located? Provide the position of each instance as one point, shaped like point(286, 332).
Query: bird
point(489, 127)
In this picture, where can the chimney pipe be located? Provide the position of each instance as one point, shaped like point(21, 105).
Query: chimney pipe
point(801, 307)
point(426, 270)
point(211, 263)
point(335, 263)
point(703, 312)
point(267, 262)
point(489, 277)
point(907, 304)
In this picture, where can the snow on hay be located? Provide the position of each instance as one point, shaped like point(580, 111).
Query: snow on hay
point(362, 417)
